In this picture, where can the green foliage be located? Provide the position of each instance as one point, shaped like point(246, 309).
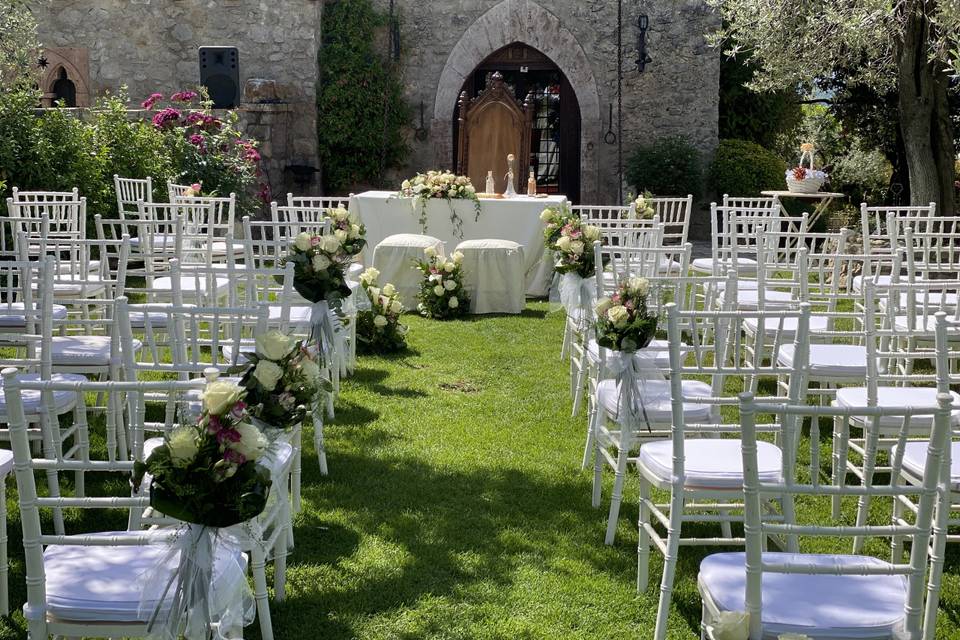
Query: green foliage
point(667, 167)
point(744, 168)
point(19, 46)
point(760, 117)
point(360, 108)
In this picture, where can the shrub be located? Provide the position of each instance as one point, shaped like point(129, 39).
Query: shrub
point(668, 167)
point(743, 168)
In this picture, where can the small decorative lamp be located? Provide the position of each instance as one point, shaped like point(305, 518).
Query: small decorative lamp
point(643, 59)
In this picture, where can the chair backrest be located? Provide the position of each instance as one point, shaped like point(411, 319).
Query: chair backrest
point(19, 196)
point(931, 249)
point(153, 243)
point(598, 214)
point(26, 313)
point(803, 481)
point(675, 214)
point(317, 202)
point(266, 279)
point(665, 268)
point(875, 227)
point(68, 218)
point(734, 229)
point(297, 218)
point(752, 202)
point(130, 191)
point(174, 190)
point(216, 212)
point(631, 233)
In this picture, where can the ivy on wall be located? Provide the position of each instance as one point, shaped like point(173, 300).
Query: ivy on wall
point(361, 113)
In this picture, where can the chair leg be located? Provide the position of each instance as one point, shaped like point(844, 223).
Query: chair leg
point(617, 496)
point(318, 444)
point(669, 566)
point(643, 543)
point(597, 462)
point(259, 570)
point(841, 434)
point(4, 590)
point(869, 463)
point(725, 529)
point(588, 446)
point(297, 470)
point(567, 338)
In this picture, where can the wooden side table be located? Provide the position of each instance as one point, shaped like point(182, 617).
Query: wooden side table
point(821, 201)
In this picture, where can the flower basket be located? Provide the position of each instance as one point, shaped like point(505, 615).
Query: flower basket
point(807, 185)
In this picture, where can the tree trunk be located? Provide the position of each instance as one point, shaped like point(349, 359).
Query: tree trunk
point(924, 116)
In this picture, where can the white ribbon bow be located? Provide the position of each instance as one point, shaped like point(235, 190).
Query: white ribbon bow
point(632, 369)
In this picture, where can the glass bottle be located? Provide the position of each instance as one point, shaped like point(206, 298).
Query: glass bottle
point(491, 188)
point(531, 184)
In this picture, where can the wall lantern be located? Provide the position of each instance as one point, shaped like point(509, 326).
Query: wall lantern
point(643, 59)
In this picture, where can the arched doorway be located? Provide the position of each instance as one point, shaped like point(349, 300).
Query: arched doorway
point(555, 136)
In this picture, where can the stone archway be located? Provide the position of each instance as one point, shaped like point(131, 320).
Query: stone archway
point(527, 22)
point(72, 63)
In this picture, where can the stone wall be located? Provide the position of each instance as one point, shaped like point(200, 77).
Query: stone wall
point(676, 94)
point(151, 45)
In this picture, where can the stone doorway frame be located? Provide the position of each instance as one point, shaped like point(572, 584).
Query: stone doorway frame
point(523, 21)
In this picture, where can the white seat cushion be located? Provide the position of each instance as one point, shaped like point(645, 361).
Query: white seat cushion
point(158, 319)
point(93, 265)
point(246, 346)
point(66, 285)
point(94, 583)
point(787, 327)
point(190, 285)
point(822, 606)
point(926, 325)
point(409, 240)
point(12, 314)
point(897, 397)
point(220, 248)
point(915, 459)
point(931, 299)
point(63, 400)
point(656, 400)
point(742, 285)
point(705, 265)
point(159, 241)
point(710, 463)
point(83, 350)
point(488, 243)
point(847, 361)
point(750, 298)
point(299, 314)
point(880, 280)
point(6, 461)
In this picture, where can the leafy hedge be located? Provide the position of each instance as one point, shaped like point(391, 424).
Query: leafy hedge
point(667, 167)
point(744, 168)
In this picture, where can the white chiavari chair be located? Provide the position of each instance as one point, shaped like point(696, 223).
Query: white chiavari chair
point(751, 202)
point(91, 584)
point(318, 202)
point(732, 241)
point(675, 214)
point(220, 214)
point(67, 211)
point(175, 190)
point(826, 595)
point(879, 235)
point(130, 191)
point(597, 213)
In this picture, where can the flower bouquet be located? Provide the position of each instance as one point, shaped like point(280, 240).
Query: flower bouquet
point(207, 473)
point(441, 292)
point(379, 328)
point(801, 179)
point(623, 320)
point(554, 219)
point(282, 379)
point(320, 265)
point(573, 249)
point(440, 185)
point(641, 207)
point(347, 229)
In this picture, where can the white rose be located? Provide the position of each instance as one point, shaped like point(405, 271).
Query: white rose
point(341, 213)
point(563, 244)
point(639, 285)
point(331, 244)
point(252, 442)
point(405, 184)
point(457, 257)
point(591, 232)
point(619, 316)
point(449, 285)
point(438, 291)
point(303, 241)
point(274, 344)
point(220, 396)
point(341, 235)
point(389, 290)
point(182, 444)
point(374, 292)
point(268, 374)
point(320, 262)
point(402, 329)
point(449, 267)
point(380, 322)
point(545, 215)
point(311, 370)
point(370, 275)
point(430, 252)
point(602, 305)
point(354, 231)
point(396, 307)
point(453, 303)
point(576, 247)
point(385, 302)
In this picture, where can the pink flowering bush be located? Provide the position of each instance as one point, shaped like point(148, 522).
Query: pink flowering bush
point(209, 150)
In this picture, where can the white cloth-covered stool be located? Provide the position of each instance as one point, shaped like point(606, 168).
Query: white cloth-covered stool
point(493, 275)
point(394, 257)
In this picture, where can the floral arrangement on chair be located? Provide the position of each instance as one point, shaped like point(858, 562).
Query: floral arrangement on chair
point(348, 230)
point(440, 185)
point(207, 473)
point(210, 149)
point(282, 379)
point(554, 219)
point(641, 207)
point(623, 321)
point(379, 328)
point(320, 264)
point(194, 190)
point(801, 179)
point(573, 248)
point(441, 292)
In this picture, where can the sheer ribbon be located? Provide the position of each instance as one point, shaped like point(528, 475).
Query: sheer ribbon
point(322, 332)
point(201, 579)
point(572, 292)
point(730, 625)
point(632, 369)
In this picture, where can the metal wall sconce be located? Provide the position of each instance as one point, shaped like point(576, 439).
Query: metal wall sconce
point(643, 59)
point(394, 29)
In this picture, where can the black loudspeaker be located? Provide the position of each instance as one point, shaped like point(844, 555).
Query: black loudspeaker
point(220, 74)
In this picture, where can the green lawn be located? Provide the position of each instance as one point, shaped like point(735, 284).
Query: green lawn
point(456, 508)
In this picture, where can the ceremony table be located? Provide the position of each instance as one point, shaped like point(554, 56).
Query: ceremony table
point(821, 201)
point(517, 219)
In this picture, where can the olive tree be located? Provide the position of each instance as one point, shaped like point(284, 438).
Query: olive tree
point(910, 47)
point(19, 46)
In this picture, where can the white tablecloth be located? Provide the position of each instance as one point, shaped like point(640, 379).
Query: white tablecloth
point(516, 219)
